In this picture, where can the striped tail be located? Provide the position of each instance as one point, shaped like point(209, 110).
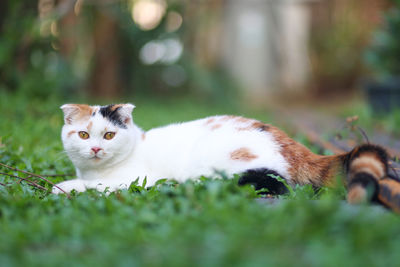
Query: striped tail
point(389, 193)
point(366, 165)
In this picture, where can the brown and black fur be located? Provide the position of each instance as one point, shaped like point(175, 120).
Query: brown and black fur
point(364, 167)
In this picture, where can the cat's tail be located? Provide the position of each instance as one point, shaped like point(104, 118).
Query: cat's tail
point(365, 166)
point(368, 178)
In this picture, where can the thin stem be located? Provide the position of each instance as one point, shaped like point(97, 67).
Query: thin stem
point(363, 133)
point(25, 179)
point(35, 175)
point(57, 175)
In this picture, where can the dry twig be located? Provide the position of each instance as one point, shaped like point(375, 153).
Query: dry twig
point(25, 179)
point(56, 175)
point(36, 175)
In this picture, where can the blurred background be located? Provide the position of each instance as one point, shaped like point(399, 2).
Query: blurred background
point(254, 51)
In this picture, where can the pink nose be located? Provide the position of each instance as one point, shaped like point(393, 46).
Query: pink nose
point(96, 149)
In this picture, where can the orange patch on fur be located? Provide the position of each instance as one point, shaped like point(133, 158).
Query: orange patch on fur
point(243, 154)
point(255, 126)
point(89, 126)
point(392, 184)
point(71, 133)
point(210, 120)
point(143, 136)
point(357, 194)
point(82, 112)
point(227, 118)
point(216, 126)
point(84, 107)
point(369, 163)
point(114, 107)
point(241, 119)
point(389, 193)
point(304, 166)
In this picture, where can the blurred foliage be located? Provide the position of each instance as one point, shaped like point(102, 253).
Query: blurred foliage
point(28, 64)
point(339, 35)
point(383, 56)
point(204, 223)
point(37, 61)
point(207, 222)
point(190, 76)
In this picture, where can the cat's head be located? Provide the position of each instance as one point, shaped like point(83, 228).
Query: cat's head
point(98, 136)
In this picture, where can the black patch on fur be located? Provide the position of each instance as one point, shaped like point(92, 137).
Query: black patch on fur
point(260, 179)
point(112, 115)
point(263, 128)
point(93, 114)
point(366, 180)
point(359, 150)
point(386, 193)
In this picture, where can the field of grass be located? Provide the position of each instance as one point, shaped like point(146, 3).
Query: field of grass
point(207, 222)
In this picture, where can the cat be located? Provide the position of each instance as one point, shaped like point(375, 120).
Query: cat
point(109, 152)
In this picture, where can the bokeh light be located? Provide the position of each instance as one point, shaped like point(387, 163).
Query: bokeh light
point(167, 51)
point(147, 14)
point(174, 21)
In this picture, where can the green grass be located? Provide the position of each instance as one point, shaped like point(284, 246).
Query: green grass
point(207, 222)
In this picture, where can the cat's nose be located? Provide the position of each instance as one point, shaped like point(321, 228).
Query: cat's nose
point(96, 149)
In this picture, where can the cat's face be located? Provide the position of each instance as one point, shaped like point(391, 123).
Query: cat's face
point(97, 136)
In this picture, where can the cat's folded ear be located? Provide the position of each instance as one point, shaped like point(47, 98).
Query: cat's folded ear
point(125, 111)
point(74, 112)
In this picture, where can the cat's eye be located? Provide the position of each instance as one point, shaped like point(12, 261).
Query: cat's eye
point(109, 135)
point(83, 135)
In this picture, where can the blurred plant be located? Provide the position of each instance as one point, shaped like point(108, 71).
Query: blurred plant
point(341, 29)
point(383, 55)
point(104, 49)
point(158, 58)
point(28, 62)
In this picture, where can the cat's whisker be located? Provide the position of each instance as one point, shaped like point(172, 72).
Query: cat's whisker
point(62, 153)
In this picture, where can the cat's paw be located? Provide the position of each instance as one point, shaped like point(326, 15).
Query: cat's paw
point(105, 187)
point(68, 186)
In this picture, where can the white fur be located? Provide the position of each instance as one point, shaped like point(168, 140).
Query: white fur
point(179, 151)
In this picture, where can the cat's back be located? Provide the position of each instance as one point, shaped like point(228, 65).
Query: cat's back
point(210, 127)
point(220, 142)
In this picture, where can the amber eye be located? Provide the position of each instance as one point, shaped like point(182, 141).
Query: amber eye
point(83, 135)
point(109, 135)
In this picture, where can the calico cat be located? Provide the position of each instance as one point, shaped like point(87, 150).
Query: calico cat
point(109, 152)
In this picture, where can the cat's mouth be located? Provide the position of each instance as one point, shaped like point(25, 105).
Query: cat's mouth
point(96, 158)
